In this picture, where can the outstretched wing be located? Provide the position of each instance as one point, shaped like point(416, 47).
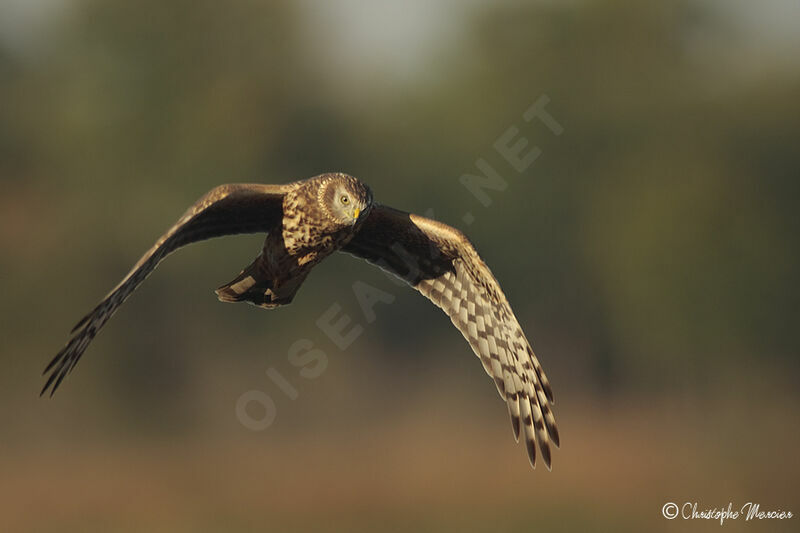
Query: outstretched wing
point(441, 263)
point(225, 210)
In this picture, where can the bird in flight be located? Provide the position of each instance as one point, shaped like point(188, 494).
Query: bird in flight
point(308, 220)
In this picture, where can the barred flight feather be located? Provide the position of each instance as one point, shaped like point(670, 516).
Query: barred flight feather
point(442, 264)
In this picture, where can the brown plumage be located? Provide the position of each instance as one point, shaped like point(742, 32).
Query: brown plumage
point(308, 220)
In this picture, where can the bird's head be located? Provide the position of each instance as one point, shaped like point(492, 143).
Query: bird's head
point(345, 199)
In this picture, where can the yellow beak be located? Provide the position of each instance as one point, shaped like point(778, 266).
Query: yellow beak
point(356, 212)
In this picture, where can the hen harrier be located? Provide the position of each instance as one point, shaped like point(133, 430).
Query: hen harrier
point(305, 222)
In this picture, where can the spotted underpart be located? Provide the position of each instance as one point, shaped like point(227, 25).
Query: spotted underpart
point(308, 233)
point(305, 224)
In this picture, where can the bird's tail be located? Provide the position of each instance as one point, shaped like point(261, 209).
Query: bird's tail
point(251, 285)
point(256, 286)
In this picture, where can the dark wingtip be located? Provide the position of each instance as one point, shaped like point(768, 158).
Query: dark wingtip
point(515, 422)
point(55, 379)
point(61, 365)
point(47, 385)
point(61, 377)
point(531, 447)
point(53, 361)
point(81, 323)
point(515, 427)
point(553, 431)
point(546, 455)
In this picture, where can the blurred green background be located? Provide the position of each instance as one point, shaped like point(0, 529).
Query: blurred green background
point(650, 252)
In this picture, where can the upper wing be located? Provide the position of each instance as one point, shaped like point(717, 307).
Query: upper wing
point(225, 210)
point(441, 263)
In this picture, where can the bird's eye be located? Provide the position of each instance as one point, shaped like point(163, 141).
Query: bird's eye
point(344, 199)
